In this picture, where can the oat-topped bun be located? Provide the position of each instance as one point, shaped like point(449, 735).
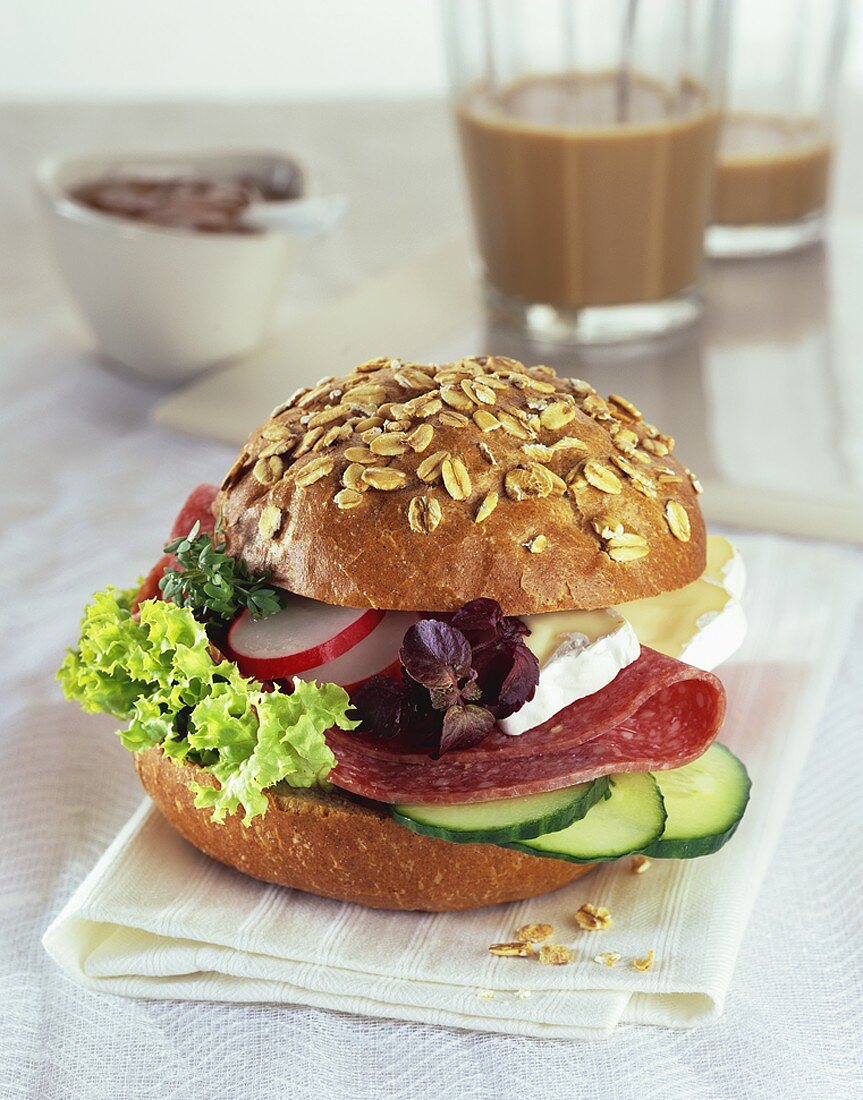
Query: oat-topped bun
point(419, 487)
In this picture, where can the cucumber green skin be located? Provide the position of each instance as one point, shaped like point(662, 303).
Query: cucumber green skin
point(690, 849)
point(611, 858)
point(531, 828)
point(693, 847)
point(556, 855)
point(521, 830)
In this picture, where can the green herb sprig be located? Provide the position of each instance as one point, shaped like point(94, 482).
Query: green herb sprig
point(212, 583)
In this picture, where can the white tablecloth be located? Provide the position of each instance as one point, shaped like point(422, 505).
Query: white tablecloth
point(89, 485)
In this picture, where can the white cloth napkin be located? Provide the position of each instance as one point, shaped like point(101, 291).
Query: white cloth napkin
point(157, 919)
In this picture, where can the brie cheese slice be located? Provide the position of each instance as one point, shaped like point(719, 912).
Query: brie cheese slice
point(702, 623)
point(725, 566)
point(579, 652)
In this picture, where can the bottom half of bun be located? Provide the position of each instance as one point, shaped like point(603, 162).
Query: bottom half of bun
point(328, 844)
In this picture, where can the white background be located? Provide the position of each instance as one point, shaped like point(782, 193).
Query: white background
point(233, 48)
point(133, 49)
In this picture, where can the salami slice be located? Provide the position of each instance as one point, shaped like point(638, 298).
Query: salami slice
point(198, 508)
point(658, 713)
point(149, 589)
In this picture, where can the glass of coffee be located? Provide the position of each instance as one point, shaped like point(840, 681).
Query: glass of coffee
point(588, 132)
point(776, 141)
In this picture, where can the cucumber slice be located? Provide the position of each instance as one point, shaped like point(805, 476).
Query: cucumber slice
point(705, 801)
point(628, 820)
point(503, 819)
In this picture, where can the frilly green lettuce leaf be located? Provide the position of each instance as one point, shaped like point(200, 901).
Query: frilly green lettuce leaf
point(157, 673)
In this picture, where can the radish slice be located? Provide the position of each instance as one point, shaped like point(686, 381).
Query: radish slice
point(303, 635)
point(376, 655)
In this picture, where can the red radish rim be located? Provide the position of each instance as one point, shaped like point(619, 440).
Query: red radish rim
point(378, 655)
point(390, 671)
point(277, 668)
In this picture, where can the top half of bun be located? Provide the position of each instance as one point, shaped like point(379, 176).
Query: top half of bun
point(419, 487)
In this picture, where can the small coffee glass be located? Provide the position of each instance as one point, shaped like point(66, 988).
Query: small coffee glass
point(588, 132)
point(776, 143)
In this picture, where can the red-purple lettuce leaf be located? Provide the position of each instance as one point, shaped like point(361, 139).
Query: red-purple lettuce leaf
point(435, 654)
point(461, 672)
point(507, 671)
point(383, 706)
point(465, 725)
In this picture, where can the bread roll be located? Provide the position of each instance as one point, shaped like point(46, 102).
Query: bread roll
point(328, 844)
point(414, 487)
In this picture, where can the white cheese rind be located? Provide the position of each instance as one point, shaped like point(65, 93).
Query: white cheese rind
point(725, 566)
point(578, 667)
point(580, 653)
point(702, 623)
point(718, 637)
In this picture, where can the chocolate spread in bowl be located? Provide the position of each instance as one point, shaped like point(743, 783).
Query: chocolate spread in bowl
point(207, 206)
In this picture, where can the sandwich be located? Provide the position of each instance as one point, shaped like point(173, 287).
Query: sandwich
point(442, 638)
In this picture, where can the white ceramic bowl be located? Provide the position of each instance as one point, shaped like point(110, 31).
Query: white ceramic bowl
point(167, 303)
